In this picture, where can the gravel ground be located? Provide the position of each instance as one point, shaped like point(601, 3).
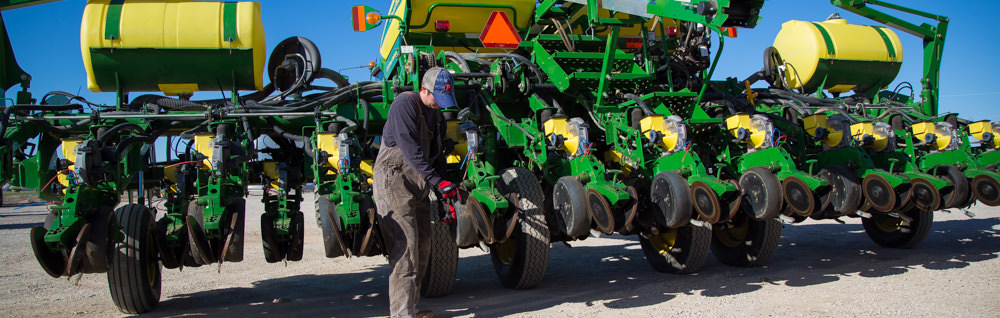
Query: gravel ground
point(822, 269)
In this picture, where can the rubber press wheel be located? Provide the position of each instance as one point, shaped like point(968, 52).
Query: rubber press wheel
point(273, 250)
point(890, 231)
point(442, 265)
point(845, 194)
point(521, 260)
point(134, 278)
point(761, 193)
point(746, 242)
point(570, 207)
point(959, 194)
point(671, 198)
point(987, 190)
point(678, 251)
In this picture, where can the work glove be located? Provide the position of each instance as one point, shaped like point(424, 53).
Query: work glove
point(447, 189)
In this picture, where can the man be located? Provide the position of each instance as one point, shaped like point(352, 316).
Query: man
point(411, 162)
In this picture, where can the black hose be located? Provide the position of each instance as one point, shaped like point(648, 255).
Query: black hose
point(640, 102)
point(334, 76)
point(115, 129)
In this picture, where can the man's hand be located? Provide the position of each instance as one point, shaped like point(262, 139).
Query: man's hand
point(447, 189)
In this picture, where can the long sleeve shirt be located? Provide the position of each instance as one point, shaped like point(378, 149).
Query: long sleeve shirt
point(402, 129)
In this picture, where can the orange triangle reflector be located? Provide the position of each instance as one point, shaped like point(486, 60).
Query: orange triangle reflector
point(499, 32)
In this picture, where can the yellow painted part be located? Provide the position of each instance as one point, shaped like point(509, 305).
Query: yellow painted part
point(977, 129)
point(463, 21)
point(328, 142)
point(625, 32)
point(802, 46)
point(922, 129)
point(653, 123)
point(174, 24)
point(615, 156)
point(859, 130)
point(170, 173)
point(559, 126)
point(458, 152)
point(203, 145)
point(368, 168)
point(69, 148)
point(735, 122)
point(63, 178)
point(177, 89)
point(843, 88)
point(271, 171)
point(813, 122)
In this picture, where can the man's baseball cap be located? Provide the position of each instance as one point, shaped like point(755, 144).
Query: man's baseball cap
point(439, 82)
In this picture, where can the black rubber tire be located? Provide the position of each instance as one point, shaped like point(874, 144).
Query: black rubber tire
point(273, 250)
point(688, 253)
point(755, 248)
point(569, 206)
point(331, 241)
point(529, 256)
point(762, 193)
point(296, 242)
point(442, 265)
point(916, 231)
point(134, 278)
point(960, 188)
point(671, 200)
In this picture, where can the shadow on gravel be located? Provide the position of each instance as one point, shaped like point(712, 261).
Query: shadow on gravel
point(613, 276)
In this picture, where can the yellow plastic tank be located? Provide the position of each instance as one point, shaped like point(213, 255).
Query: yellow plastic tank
point(176, 47)
point(837, 56)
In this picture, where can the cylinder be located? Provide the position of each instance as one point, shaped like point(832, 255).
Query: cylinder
point(177, 47)
point(838, 57)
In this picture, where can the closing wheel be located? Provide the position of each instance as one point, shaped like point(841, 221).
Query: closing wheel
point(959, 193)
point(134, 278)
point(987, 190)
point(745, 241)
point(678, 251)
point(365, 240)
point(333, 243)
point(890, 231)
point(465, 228)
point(232, 250)
point(761, 193)
point(482, 221)
point(169, 257)
point(799, 197)
point(845, 194)
point(570, 206)
point(671, 198)
point(600, 211)
point(520, 261)
point(879, 193)
point(273, 251)
point(623, 221)
point(52, 262)
point(706, 202)
point(200, 248)
point(442, 264)
point(924, 195)
point(296, 233)
point(74, 262)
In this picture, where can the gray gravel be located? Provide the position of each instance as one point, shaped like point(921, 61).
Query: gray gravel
point(822, 269)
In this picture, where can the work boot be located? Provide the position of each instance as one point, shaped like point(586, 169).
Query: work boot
point(424, 314)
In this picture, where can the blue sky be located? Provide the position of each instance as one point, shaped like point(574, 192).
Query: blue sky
point(47, 44)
